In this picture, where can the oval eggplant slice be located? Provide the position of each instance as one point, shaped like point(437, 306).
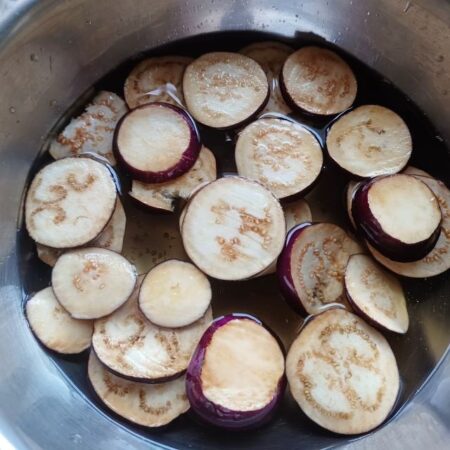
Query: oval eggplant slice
point(92, 282)
point(93, 131)
point(157, 142)
point(133, 347)
point(54, 326)
point(312, 265)
point(223, 90)
point(233, 228)
point(144, 404)
point(69, 202)
point(369, 141)
point(161, 196)
point(174, 294)
point(271, 55)
point(318, 81)
point(297, 212)
point(438, 260)
point(282, 155)
point(399, 215)
point(342, 373)
point(157, 79)
point(375, 294)
point(235, 379)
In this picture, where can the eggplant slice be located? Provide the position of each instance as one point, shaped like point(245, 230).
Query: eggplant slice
point(143, 404)
point(369, 141)
point(92, 282)
point(174, 294)
point(376, 295)
point(318, 81)
point(282, 155)
point(342, 373)
point(398, 215)
point(297, 212)
point(69, 202)
point(223, 90)
point(312, 265)
point(233, 228)
point(161, 196)
point(157, 142)
point(157, 79)
point(54, 326)
point(271, 55)
point(236, 376)
point(93, 131)
point(133, 347)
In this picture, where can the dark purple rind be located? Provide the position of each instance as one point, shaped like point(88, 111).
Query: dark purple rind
point(140, 379)
point(387, 245)
point(186, 161)
point(284, 274)
point(217, 415)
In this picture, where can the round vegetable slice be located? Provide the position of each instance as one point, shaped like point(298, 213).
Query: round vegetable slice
point(312, 265)
point(233, 228)
point(399, 215)
point(236, 377)
point(297, 212)
point(93, 131)
point(156, 79)
point(342, 373)
point(376, 294)
point(157, 142)
point(69, 202)
point(54, 326)
point(271, 55)
point(282, 155)
point(144, 404)
point(369, 141)
point(174, 294)
point(161, 196)
point(438, 260)
point(318, 81)
point(92, 282)
point(223, 90)
point(133, 347)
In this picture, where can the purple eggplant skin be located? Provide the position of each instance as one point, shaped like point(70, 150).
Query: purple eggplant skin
point(213, 414)
point(284, 274)
point(389, 246)
point(186, 161)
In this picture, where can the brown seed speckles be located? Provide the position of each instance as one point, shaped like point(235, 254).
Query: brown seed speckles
point(153, 410)
point(80, 186)
point(119, 389)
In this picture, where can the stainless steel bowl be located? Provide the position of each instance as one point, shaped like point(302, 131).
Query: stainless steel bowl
point(51, 51)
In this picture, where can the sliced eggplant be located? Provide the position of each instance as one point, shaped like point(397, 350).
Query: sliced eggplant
point(157, 142)
point(233, 228)
point(161, 196)
point(157, 79)
point(282, 155)
point(143, 404)
point(318, 81)
point(398, 215)
point(342, 373)
point(69, 202)
point(350, 190)
point(223, 90)
point(92, 282)
point(133, 347)
point(297, 212)
point(54, 326)
point(271, 55)
point(375, 294)
point(438, 260)
point(369, 141)
point(236, 379)
point(48, 255)
point(312, 265)
point(174, 294)
point(93, 131)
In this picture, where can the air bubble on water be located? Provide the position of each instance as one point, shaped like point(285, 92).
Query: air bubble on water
point(12, 110)
point(407, 6)
point(439, 138)
point(34, 57)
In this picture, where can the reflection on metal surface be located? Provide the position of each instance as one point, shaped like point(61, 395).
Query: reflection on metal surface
point(75, 44)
